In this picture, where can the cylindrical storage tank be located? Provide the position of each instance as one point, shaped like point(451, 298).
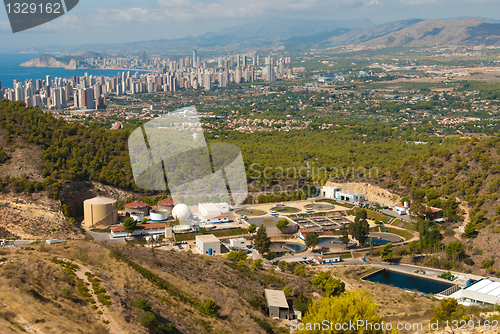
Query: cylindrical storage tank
point(158, 216)
point(138, 216)
point(407, 205)
point(210, 251)
point(99, 211)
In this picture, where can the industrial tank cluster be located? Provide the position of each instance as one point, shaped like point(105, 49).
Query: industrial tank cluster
point(102, 211)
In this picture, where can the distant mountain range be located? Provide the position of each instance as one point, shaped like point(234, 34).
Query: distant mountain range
point(293, 34)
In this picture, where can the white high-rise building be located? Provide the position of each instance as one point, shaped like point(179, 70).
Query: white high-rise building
point(56, 98)
point(19, 91)
point(237, 75)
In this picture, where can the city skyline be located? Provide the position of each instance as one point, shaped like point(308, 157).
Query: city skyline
point(132, 21)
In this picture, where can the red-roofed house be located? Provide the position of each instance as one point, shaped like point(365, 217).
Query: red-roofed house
point(137, 207)
point(402, 210)
point(436, 213)
point(302, 233)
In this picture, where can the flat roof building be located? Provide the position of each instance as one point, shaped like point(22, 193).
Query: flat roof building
point(141, 230)
point(484, 291)
point(214, 213)
point(349, 196)
point(278, 306)
point(329, 191)
point(238, 243)
point(213, 209)
point(208, 244)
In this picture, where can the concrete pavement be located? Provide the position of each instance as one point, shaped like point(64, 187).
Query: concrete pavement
point(103, 236)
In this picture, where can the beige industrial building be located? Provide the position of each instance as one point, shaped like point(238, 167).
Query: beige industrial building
point(99, 211)
point(208, 244)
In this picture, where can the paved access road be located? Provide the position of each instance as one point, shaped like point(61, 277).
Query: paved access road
point(103, 236)
point(398, 216)
point(19, 243)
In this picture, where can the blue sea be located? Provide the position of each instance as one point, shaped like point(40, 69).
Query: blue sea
point(10, 70)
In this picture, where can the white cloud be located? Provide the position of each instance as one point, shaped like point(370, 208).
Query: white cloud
point(67, 21)
point(5, 25)
point(195, 10)
point(417, 2)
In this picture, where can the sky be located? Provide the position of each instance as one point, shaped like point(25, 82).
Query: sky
point(117, 21)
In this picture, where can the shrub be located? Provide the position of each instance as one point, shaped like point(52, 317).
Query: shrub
point(66, 292)
point(142, 303)
point(167, 328)
point(210, 308)
point(486, 263)
point(147, 319)
point(468, 261)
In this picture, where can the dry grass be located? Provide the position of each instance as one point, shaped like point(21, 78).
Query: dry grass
point(38, 289)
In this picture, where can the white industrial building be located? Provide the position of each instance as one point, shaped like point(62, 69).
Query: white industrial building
point(349, 196)
point(238, 243)
point(329, 191)
point(213, 209)
point(214, 213)
point(342, 195)
point(141, 230)
point(327, 259)
point(208, 244)
point(484, 291)
point(401, 209)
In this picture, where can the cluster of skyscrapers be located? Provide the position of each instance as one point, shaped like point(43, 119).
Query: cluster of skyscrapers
point(88, 92)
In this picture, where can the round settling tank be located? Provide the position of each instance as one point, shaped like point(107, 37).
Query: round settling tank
point(158, 216)
point(137, 216)
point(99, 211)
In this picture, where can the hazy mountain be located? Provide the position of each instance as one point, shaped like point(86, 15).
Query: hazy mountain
point(467, 32)
point(301, 34)
point(278, 29)
point(251, 35)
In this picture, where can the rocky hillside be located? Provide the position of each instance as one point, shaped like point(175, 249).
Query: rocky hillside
point(47, 60)
point(44, 295)
point(442, 32)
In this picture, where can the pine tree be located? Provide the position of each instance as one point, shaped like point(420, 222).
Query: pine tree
point(344, 236)
point(262, 241)
point(312, 239)
point(129, 224)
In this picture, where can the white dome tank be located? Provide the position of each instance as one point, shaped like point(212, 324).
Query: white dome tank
point(181, 211)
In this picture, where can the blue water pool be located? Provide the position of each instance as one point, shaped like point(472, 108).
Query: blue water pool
point(330, 240)
point(377, 241)
point(408, 282)
point(278, 246)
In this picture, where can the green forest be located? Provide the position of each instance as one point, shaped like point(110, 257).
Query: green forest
point(439, 173)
